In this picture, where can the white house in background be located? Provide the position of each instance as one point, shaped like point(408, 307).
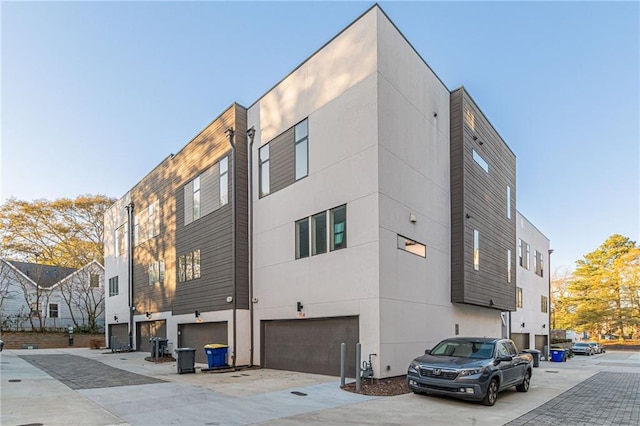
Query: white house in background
point(35, 296)
point(529, 325)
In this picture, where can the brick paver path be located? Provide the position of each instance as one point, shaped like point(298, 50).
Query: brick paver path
point(82, 373)
point(603, 399)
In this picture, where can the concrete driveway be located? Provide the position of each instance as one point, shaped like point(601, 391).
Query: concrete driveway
point(126, 389)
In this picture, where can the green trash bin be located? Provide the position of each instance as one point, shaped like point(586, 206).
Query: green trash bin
point(216, 354)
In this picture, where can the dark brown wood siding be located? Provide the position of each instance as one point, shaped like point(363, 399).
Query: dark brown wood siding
point(211, 233)
point(479, 202)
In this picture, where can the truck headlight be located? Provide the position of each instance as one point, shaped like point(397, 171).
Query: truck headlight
point(470, 371)
point(414, 367)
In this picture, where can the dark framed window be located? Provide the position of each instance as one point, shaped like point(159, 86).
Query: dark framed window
point(302, 238)
point(338, 234)
point(189, 267)
point(53, 310)
point(319, 233)
point(113, 286)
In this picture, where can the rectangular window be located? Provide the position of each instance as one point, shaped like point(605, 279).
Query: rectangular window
point(538, 263)
point(338, 227)
point(411, 246)
point(302, 238)
point(196, 264)
point(53, 310)
point(94, 280)
point(182, 269)
point(527, 255)
point(508, 202)
point(224, 181)
point(523, 254)
point(196, 198)
point(153, 227)
point(544, 304)
point(319, 233)
point(301, 136)
point(476, 250)
point(478, 159)
point(188, 267)
point(113, 286)
point(156, 272)
point(519, 301)
point(263, 171)
point(508, 265)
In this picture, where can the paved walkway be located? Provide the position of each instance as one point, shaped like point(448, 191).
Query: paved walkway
point(603, 399)
point(124, 389)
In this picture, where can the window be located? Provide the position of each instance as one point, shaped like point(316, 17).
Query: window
point(301, 137)
point(53, 310)
point(508, 265)
point(189, 267)
point(338, 227)
point(113, 286)
point(478, 159)
point(302, 238)
point(156, 272)
point(263, 171)
point(523, 254)
point(412, 246)
point(319, 233)
point(146, 224)
point(476, 250)
point(544, 304)
point(224, 181)
point(121, 236)
point(538, 263)
point(136, 231)
point(508, 202)
point(153, 227)
point(94, 280)
point(519, 301)
point(196, 198)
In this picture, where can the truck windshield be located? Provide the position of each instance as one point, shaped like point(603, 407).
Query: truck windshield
point(464, 349)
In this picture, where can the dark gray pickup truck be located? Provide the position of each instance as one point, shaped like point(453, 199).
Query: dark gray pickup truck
point(471, 368)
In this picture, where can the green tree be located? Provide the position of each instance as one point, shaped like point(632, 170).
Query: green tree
point(61, 232)
point(602, 295)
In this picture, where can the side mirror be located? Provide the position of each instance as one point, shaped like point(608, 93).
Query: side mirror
point(504, 358)
point(427, 351)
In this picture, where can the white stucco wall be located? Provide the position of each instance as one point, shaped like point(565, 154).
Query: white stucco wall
point(533, 286)
point(116, 306)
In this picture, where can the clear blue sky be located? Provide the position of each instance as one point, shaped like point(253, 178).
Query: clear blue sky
point(94, 95)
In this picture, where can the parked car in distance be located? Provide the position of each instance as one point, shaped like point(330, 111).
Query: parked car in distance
point(597, 347)
point(582, 348)
point(471, 368)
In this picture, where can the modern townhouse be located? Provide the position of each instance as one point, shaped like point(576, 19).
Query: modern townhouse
point(372, 205)
point(529, 324)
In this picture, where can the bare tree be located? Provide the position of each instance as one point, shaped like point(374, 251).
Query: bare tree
point(36, 297)
point(83, 293)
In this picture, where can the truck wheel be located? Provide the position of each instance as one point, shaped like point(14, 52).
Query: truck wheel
point(524, 386)
point(492, 393)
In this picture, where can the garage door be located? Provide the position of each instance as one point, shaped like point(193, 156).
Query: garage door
point(121, 332)
point(541, 342)
point(310, 345)
point(148, 329)
point(199, 334)
point(521, 340)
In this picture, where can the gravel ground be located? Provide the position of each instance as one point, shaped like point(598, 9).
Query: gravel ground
point(381, 387)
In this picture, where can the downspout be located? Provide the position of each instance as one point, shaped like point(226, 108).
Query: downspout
point(251, 133)
point(230, 133)
point(132, 308)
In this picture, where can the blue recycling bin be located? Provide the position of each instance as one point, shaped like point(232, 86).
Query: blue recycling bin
point(557, 355)
point(216, 355)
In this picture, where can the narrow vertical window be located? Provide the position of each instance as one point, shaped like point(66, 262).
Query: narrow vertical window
point(519, 298)
point(150, 225)
point(182, 269)
point(527, 256)
point(544, 303)
point(196, 264)
point(263, 171)
point(301, 133)
point(224, 181)
point(189, 265)
point(338, 228)
point(196, 198)
point(113, 286)
point(476, 249)
point(509, 265)
point(302, 238)
point(508, 202)
point(520, 256)
point(319, 233)
point(161, 271)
